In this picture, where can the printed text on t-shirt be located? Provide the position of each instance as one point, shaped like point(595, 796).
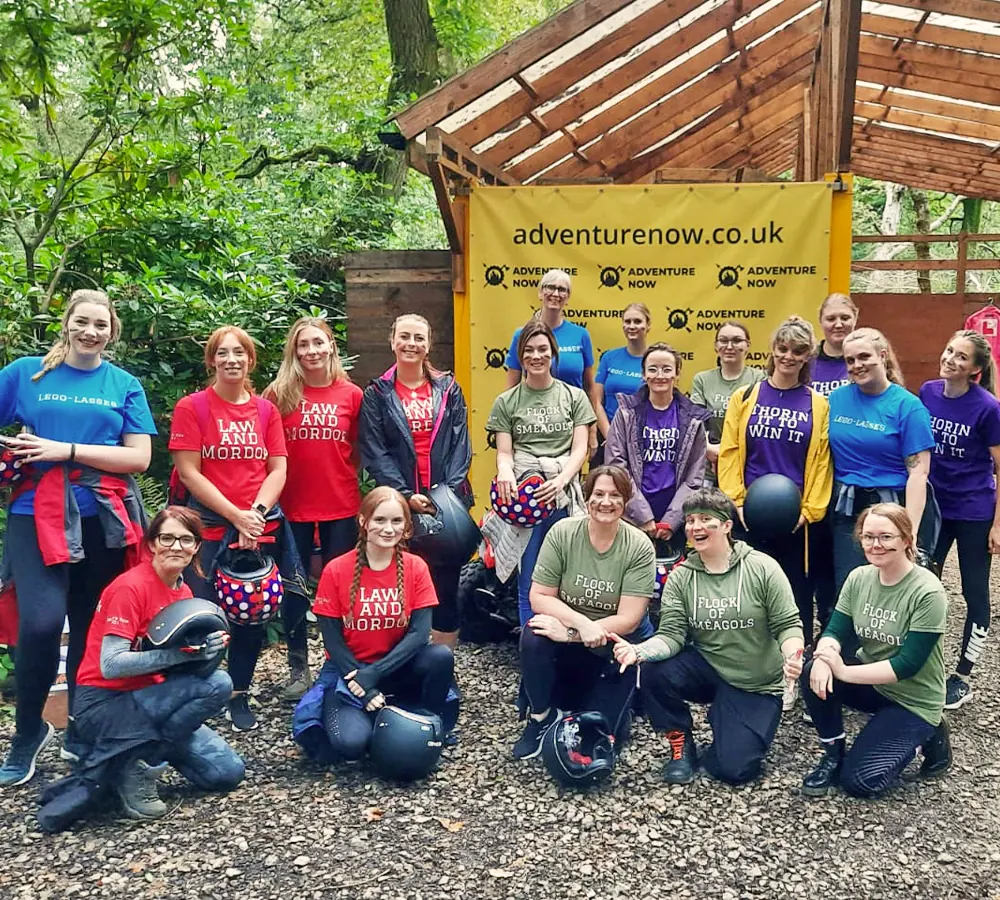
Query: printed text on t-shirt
point(946, 436)
point(660, 444)
point(778, 423)
point(320, 422)
point(237, 440)
point(378, 609)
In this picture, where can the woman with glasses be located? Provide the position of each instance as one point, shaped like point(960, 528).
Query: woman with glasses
point(658, 437)
point(894, 612)
point(620, 369)
point(713, 387)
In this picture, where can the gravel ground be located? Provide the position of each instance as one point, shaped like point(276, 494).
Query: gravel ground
point(487, 826)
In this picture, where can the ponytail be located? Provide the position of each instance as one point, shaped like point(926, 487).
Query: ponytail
point(60, 349)
point(982, 358)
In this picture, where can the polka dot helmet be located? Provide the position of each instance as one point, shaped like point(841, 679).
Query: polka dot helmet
point(524, 510)
point(664, 566)
point(10, 468)
point(248, 587)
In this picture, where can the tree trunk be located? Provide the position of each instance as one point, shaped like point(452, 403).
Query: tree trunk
point(923, 213)
point(882, 281)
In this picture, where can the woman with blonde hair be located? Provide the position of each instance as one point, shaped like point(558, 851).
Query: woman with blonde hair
point(319, 407)
point(620, 369)
point(965, 420)
point(894, 613)
point(881, 441)
point(838, 317)
point(413, 435)
point(229, 451)
point(75, 516)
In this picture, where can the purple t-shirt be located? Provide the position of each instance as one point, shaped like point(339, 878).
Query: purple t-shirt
point(660, 436)
point(961, 465)
point(828, 373)
point(778, 434)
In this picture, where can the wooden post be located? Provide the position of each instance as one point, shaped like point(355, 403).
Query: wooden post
point(961, 265)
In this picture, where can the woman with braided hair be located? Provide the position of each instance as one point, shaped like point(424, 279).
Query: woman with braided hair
point(374, 606)
point(75, 513)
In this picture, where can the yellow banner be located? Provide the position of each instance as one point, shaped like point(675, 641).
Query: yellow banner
point(696, 255)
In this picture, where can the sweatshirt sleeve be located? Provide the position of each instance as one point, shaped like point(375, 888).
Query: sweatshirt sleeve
point(671, 635)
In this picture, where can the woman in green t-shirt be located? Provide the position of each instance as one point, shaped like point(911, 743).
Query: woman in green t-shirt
point(593, 578)
point(541, 425)
point(894, 612)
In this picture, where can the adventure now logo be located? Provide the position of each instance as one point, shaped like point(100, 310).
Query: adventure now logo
point(600, 236)
point(518, 276)
point(639, 277)
point(757, 276)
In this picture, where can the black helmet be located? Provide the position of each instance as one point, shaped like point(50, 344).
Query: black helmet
point(450, 534)
point(579, 750)
point(772, 506)
point(405, 745)
point(185, 624)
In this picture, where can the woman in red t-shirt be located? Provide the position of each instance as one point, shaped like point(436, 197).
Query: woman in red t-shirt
point(414, 434)
point(229, 451)
point(130, 719)
point(319, 408)
point(374, 606)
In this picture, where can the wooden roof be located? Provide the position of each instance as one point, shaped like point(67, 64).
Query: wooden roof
point(627, 90)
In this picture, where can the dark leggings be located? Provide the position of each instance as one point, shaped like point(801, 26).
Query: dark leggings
point(882, 749)
point(821, 576)
point(446, 616)
point(974, 560)
point(422, 682)
point(336, 537)
point(45, 596)
point(789, 552)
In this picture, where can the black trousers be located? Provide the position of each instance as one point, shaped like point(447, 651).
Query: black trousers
point(821, 573)
point(336, 537)
point(45, 596)
point(743, 723)
point(789, 552)
point(974, 561)
point(882, 749)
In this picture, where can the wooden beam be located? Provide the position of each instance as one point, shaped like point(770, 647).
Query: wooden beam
point(908, 30)
point(754, 129)
point(946, 168)
point(939, 124)
point(918, 176)
point(441, 191)
point(987, 10)
point(924, 238)
point(505, 63)
point(693, 176)
point(602, 91)
point(928, 146)
point(921, 265)
point(848, 28)
point(924, 153)
point(914, 78)
point(938, 62)
point(889, 96)
point(460, 161)
point(808, 136)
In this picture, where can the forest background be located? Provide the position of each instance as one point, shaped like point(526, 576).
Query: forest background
point(212, 161)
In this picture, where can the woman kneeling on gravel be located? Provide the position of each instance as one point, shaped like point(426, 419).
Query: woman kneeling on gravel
point(896, 612)
point(375, 606)
point(729, 636)
point(594, 576)
point(130, 719)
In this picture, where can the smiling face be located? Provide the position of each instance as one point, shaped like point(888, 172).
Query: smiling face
point(313, 349)
point(88, 330)
point(231, 361)
point(554, 292)
point(881, 541)
point(958, 360)
point(660, 371)
point(707, 533)
point(731, 344)
point(837, 320)
point(537, 357)
point(386, 525)
point(411, 341)
point(789, 358)
point(635, 325)
point(605, 504)
point(173, 546)
point(865, 362)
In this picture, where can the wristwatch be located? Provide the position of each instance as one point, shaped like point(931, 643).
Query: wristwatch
point(261, 508)
point(572, 633)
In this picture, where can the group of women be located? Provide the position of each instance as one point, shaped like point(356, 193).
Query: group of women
point(279, 470)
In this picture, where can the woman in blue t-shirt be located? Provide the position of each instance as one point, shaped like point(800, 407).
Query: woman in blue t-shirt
point(881, 440)
point(965, 419)
point(85, 422)
point(620, 369)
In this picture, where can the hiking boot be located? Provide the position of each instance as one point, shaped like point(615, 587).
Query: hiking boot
point(19, 766)
point(956, 692)
point(299, 681)
point(239, 714)
point(679, 768)
point(825, 777)
point(937, 753)
point(789, 695)
point(529, 744)
point(137, 790)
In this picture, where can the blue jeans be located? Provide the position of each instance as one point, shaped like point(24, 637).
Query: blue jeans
point(528, 560)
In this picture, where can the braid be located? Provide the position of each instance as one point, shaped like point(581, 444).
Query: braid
point(360, 561)
point(400, 593)
point(53, 359)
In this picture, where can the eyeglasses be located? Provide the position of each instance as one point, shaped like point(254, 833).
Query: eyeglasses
point(659, 370)
point(555, 289)
point(869, 540)
point(730, 342)
point(187, 541)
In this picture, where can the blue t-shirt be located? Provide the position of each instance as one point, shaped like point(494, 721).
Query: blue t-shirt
point(621, 373)
point(576, 353)
point(95, 406)
point(871, 436)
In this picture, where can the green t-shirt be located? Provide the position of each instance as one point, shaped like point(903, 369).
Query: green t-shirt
point(710, 390)
point(541, 422)
point(883, 616)
point(592, 583)
point(737, 619)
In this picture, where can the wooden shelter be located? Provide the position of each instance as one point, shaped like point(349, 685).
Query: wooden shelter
point(626, 91)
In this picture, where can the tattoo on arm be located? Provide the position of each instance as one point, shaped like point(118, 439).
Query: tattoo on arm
point(912, 461)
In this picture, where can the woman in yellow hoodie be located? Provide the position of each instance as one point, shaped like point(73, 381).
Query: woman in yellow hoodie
point(781, 425)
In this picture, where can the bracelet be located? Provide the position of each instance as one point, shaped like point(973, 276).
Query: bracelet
point(72, 452)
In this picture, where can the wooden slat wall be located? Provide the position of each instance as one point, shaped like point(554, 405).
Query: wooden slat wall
point(384, 284)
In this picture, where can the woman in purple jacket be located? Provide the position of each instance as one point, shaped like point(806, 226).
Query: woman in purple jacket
point(658, 437)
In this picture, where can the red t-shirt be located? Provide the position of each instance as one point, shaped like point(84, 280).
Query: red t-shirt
point(320, 433)
point(380, 618)
point(418, 404)
point(125, 609)
point(234, 450)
